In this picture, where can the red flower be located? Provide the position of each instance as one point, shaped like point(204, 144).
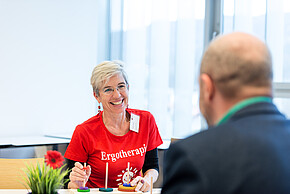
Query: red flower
point(54, 159)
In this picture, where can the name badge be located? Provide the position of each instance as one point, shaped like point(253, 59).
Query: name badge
point(134, 122)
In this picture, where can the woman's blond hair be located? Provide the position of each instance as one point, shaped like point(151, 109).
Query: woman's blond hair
point(105, 70)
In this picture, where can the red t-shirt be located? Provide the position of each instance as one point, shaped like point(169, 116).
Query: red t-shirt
point(94, 144)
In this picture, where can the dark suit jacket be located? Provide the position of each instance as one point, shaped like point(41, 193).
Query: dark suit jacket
point(250, 153)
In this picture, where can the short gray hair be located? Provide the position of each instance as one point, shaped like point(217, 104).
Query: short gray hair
point(104, 71)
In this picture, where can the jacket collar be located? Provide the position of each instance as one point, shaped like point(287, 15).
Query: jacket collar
point(239, 106)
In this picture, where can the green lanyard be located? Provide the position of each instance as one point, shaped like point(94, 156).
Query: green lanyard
point(243, 104)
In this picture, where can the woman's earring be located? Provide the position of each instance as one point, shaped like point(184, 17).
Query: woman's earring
point(99, 108)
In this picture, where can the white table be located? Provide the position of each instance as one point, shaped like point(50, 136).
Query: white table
point(31, 141)
point(59, 135)
point(39, 142)
point(73, 191)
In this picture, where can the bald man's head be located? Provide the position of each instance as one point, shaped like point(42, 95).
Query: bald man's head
point(235, 61)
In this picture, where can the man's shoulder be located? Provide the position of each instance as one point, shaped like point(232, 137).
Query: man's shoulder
point(211, 138)
point(209, 133)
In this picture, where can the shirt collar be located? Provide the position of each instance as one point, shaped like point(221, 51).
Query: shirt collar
point(241, 105)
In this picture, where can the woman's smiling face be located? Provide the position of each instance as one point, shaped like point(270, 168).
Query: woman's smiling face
point(114, 94)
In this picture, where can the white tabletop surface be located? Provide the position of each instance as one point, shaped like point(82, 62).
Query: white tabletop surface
point(31, 141)
point(72, 191)
point(59, 135)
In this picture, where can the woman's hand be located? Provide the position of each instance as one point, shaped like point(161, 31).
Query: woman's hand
point(142, 184)
point(78, 177)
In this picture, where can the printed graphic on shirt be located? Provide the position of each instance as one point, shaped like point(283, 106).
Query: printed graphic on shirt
point(123, 154)
point(124, 176)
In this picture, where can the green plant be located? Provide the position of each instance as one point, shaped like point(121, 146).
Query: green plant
point(49, 177)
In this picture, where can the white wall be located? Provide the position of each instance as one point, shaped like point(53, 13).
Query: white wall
point(48, 49)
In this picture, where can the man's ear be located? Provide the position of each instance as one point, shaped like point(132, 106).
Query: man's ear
point(96, 97)
point(207, 86)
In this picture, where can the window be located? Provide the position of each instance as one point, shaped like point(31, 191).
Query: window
point(270, 21)
point(161, 43)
